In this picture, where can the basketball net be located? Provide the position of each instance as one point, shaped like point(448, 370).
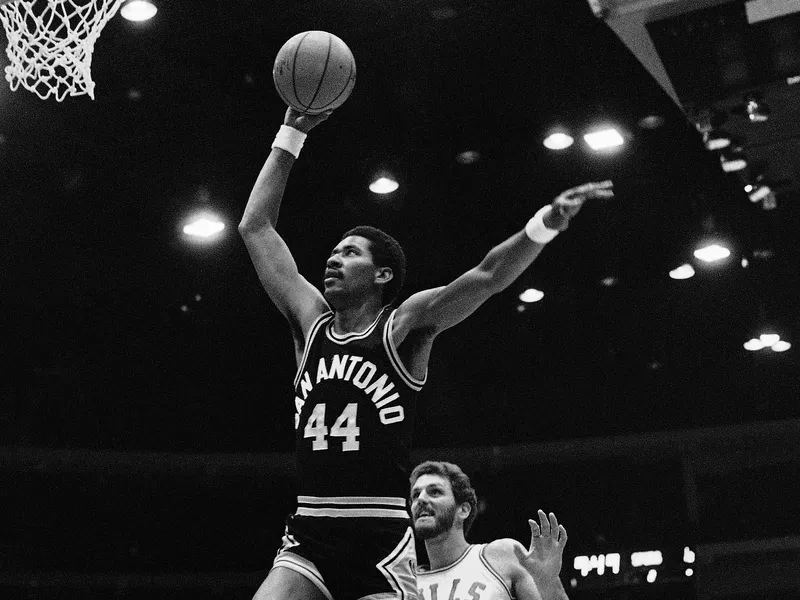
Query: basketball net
point(50, 44)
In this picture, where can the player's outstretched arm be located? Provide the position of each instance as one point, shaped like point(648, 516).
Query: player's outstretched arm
point(438, 309)
point(298, 300)
point(543, 560)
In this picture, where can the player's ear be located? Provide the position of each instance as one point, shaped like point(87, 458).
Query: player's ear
point(464, 510)
point(383, 275)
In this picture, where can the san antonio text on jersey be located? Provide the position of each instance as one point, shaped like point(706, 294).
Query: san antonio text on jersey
point(354, 417)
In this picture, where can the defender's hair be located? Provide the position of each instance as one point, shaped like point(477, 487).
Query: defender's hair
point(459, 481)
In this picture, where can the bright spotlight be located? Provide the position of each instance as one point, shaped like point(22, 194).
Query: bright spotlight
point(651, 575)
point(383, 185)
point(781, 346)
point(683, 272)
point(604, 139)
point(558, 141)
point(138, 10)
point(712, 253)
point(531, 295)
point(769, 339)
point(753, 345)
point(204, 227)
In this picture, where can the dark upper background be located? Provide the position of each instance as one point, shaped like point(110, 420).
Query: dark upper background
point(97, 353)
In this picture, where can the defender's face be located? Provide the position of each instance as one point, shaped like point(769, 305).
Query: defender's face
point(433, 506)
point(350, 268)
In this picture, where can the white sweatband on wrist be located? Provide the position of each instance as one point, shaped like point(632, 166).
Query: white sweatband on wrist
point(536, 229)
point(289, 139)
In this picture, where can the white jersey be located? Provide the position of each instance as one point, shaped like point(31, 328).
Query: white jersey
point(469, 578)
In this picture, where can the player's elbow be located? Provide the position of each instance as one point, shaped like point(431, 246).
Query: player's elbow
point(251, 227)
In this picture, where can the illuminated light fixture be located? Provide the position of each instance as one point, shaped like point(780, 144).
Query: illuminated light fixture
point(769, 339)
point(685, 271)
point(649, 558)
point(757, 110)
point(651, 121)
point(204, 227)
point(781, 346)
point(383, 185)
point(604, 139)
point(712, 253)
point(753, 345)
point(689, 572)
point(688, 555)
point(745, 263)
point(531, 295)
point(757, 193)
point(716, 139)
point(138, 10)
point(468, 157)
point(558, 141)
point(651, 576)
point(609, 281)
point(733, 161)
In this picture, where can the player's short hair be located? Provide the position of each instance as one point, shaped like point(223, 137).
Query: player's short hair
point(386, 252)
point(459, 481)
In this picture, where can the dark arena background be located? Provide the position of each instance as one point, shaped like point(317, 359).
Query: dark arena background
point(650, 398)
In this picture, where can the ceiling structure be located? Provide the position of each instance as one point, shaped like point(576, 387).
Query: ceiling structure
point(121, 334)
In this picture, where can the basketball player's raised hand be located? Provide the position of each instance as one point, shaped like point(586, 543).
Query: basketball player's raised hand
point(568, 203)
point(302, 121)
point(543, 559)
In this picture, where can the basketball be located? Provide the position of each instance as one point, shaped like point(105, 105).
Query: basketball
point(314, 71)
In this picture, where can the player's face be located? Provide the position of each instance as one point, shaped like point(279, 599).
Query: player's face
point(433, 506)
point(349, 269)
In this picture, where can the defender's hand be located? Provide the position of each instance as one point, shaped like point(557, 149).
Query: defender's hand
point(303, 122)
point(568, 203)
point(543, 560)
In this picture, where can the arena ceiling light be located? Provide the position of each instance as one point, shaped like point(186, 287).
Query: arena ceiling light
point(716, 139)
point(712, 253)
point(203, 227)
point(138, 10)
point(732, 161)
point(558, 140)
point(383, 185)
point(685, 271)
point(757, 110)
point(531, 295)
point(604, 139)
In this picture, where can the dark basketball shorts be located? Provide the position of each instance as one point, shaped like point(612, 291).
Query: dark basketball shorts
point(352, 548)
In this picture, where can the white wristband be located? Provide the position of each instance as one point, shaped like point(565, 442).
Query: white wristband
point(536, 229)
point(289, 139)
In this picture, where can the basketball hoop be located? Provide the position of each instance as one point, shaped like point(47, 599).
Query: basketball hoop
point(50, 44)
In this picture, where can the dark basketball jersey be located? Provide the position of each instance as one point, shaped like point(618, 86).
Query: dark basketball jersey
point(355, 404)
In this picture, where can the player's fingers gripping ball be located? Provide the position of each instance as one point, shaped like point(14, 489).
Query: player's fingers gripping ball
point(314, 72)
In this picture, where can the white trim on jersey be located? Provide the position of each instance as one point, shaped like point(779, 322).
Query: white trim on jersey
point(352, 507)
point(352, 513)
point(398, 568)
point(304, 567)
point(342, 339)
point(311, 334)
point(394, 358)
point(390, 500)
point(492, 570)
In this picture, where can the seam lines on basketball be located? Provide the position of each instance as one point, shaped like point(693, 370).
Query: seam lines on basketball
point(347, 85)
point(324, 71)
point(294, 66)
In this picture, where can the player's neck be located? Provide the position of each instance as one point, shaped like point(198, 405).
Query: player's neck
point(446, 549)
point(356, 318)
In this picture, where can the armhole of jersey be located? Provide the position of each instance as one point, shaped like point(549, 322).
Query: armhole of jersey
point(492, 570)
point(394, 357)
point(315, 327)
